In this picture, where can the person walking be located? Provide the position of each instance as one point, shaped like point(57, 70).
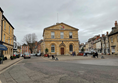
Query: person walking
point(73, 53)
point(93, 55)
point(96, 54)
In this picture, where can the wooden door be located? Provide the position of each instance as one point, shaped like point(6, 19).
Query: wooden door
point(62, 51)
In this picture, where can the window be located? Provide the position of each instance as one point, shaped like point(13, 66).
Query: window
point(4, 25)
point(52, 35)
point(70, 35)
point(4, 37)
point(9, 29)
point(9, 40)
point(15, 45)
point(111, 39)
point(62, 35)
point(52, 48)
point(117, 38)
point(71, 48)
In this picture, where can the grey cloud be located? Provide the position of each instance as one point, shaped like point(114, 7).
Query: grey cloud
point(91, 17)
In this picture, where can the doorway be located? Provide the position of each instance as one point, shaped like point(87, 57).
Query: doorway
point(62, 51)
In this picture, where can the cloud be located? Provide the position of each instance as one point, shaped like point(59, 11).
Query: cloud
point(91, 17)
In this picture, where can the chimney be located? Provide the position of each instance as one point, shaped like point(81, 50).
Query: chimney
point(107, 33)
point(115, 23)
point(102, 35)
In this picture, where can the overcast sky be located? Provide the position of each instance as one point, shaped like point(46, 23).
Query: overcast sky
point(91, 17)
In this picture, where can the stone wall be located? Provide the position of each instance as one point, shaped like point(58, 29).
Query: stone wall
point(114, 43)
point(57, 41)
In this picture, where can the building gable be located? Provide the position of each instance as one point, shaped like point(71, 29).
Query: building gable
point(60, 26)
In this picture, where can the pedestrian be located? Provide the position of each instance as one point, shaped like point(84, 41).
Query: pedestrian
point(48, 56)
point(93, 55)
point(96, 54)
point(85, 54)
point(73, 53)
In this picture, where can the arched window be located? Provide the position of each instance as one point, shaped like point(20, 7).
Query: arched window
point(71, 48)
point(52, 48)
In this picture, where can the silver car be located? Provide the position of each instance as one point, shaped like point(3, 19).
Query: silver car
point(27, 55)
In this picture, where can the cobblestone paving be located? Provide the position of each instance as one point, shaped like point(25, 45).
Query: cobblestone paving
point(38, 70)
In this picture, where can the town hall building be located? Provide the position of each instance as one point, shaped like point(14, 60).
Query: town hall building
point(60, 39)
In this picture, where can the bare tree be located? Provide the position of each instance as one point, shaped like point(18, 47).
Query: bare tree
point(30, 40)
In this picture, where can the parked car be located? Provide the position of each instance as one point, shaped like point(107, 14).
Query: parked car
point(32, 54)
point(27, 55)
point(38, 54)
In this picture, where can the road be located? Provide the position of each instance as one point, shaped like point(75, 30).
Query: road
point(39, 70)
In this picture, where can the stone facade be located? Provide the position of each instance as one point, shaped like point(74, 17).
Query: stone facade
point(25, 48)
point(113, 39)
point(62, 46)
point(86, 47)
point(6, 35)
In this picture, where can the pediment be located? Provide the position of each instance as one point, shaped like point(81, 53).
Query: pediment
point(61, 26)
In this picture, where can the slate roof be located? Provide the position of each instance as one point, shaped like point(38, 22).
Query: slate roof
point(114, 30)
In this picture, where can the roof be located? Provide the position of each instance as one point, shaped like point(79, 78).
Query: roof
point(8, 21)
point(24, 45)
point(1, 10)
point(59, 24)
point(114, 30)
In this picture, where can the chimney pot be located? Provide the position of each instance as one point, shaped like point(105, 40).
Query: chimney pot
point(115, 23)
point(102, 35)
point(107, 33)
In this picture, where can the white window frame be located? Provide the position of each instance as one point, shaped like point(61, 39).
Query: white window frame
point(61, 35)
point(4, 37)
point(52, 35)
point(111, 39)
point(52, 46)
point(9, 40)
point(70, 34)
point(9, 29)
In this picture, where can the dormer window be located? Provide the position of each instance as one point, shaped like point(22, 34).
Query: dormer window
point(113, 30)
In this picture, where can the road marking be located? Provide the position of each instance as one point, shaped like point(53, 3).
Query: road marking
point(0, 81)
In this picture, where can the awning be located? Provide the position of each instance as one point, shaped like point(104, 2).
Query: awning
point(2, 47)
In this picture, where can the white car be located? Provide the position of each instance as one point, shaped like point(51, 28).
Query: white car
point(38, 54)
point(32, 54)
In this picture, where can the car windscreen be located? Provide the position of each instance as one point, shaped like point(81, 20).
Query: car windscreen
point(26, 53)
